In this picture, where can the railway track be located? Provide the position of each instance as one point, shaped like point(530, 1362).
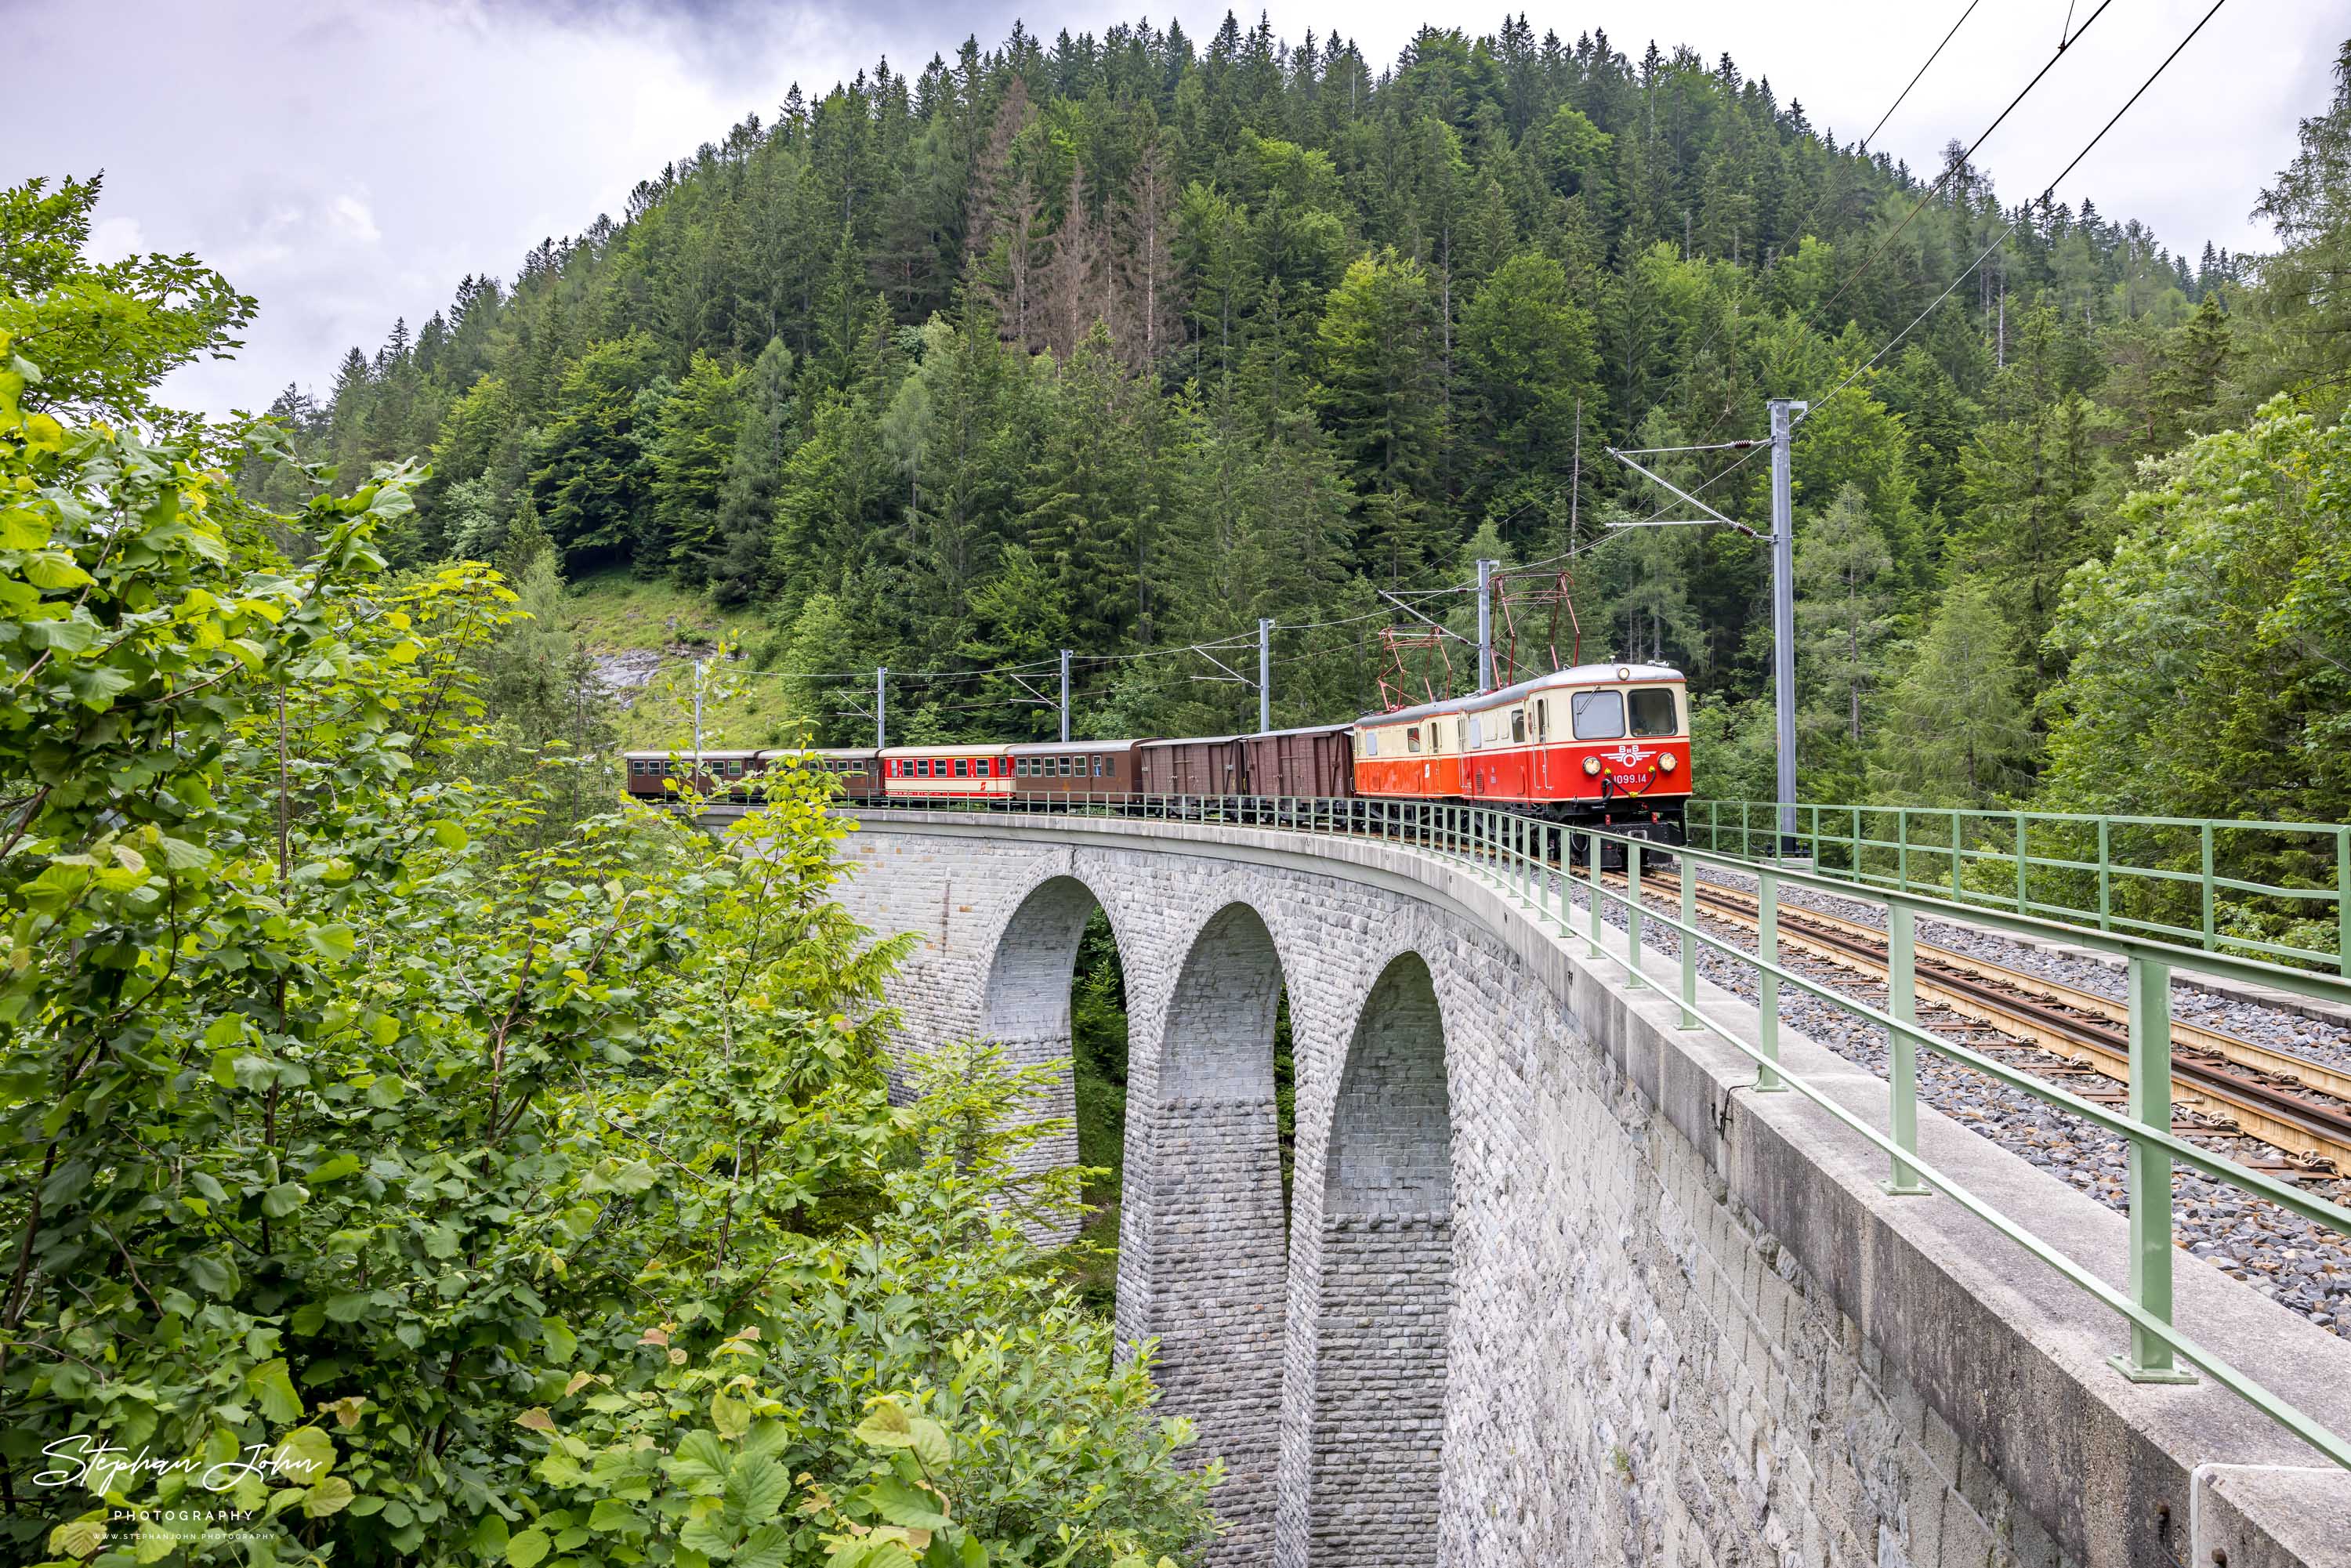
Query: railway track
point(2227, 1087)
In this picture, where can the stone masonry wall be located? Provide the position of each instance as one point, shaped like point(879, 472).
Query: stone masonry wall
point(1625, 1364)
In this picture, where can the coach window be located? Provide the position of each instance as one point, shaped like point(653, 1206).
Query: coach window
point(1599, 716)
point(1412, 739)
point(1518, 726)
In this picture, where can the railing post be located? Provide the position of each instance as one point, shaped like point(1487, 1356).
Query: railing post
point(2149, 1359)
point(1955, 856)
point(1566, 882)
point(1593, 838)
point(1767, 987)
point(2343, 901)
point(1633, 981)
point(2023, 897)
point(2105, 877)
point(1902, 847)
point(1687, 876)
point(1855, 865)
point(1902, 1001)
point(2211, 921)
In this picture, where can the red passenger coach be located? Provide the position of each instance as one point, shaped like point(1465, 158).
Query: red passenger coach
point(971, 771)
point(1599, 743)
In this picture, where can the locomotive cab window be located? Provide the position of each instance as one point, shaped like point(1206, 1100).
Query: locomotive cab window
point(1412, 740)
point(1599, 716)
point(1518, 724)
point(1653, 711)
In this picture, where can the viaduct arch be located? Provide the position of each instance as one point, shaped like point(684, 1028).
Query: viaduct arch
point(1553, 1285)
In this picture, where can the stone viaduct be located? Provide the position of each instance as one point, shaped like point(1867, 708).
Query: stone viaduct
point(1553, 1285)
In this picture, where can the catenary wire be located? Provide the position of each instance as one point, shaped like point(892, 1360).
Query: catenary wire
point(2001, 238)
point(1904, 93)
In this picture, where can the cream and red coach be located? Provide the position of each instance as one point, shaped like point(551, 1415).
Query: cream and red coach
point(1600, 743)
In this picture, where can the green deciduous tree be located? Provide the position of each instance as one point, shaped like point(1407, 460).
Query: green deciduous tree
point(1957, 727)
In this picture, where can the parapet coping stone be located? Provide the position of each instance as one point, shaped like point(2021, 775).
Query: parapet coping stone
point(2006, 1350)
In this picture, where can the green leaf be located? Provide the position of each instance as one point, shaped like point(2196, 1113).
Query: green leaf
point(270, 1384)
point(330, 1496)
point(526, 1550)
point(701, 1459)
point(904, 1504)
point(180, 855)
point(284, 1198)
point(449, 835)
point(305, 1455)
point(59, 636)
point(334, 1169)
point(769, 1546)
point(562, 1343)
point(611, 1516)
point(23, 529)
point(930, 1443)
point(54, 570)
point(81, 1538)
point(332, 943)
point(489, 1537)
point(886, 1426)
point(755, 1489)
point(729, 1415)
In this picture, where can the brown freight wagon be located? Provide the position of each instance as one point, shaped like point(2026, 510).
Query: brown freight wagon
point(1316, 763)
point(1208, 765)
point(1055, 770)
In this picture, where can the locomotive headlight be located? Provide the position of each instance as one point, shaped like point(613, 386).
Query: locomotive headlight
point(1667, 763)
point(1592, 766)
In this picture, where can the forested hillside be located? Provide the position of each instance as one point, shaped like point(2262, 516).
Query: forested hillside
point(1119, 343)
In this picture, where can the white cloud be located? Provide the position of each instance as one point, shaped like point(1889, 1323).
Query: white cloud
point(113, 238)
point(350, 166)
point(350, 215)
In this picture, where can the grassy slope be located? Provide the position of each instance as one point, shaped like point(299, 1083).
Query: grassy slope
point(614, 612)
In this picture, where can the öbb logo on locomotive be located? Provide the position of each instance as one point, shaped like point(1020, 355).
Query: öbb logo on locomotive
point(1600, 744)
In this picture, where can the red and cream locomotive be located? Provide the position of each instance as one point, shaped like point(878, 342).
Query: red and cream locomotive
point(1598, 743)
point(1607, 744)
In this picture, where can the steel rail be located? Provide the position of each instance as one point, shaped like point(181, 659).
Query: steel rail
point(2275, 1114)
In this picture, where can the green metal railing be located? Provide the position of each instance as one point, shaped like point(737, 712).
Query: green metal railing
point(1540, 867)
point(2272, 888)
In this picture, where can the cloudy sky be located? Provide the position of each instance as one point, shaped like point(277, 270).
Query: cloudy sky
point(347, 161)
